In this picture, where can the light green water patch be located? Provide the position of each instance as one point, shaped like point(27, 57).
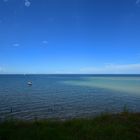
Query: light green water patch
point(122, 84)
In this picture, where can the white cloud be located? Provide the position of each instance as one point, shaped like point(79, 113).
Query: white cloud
point(45, 42)
point(5, 0)
point(16, 45)
point(137, 1)
point(27, 3)
point(113, 69)
point(1, 70)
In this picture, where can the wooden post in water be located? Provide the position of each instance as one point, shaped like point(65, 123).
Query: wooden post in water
point(11, 110)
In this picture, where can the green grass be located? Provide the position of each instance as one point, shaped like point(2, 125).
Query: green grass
point(124, 126)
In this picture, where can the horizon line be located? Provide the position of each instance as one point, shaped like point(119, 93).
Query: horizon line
point(68, 74)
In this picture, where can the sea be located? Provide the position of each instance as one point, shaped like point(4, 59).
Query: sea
point(67, 96)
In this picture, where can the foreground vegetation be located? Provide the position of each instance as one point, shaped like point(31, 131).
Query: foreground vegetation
point(124, 126)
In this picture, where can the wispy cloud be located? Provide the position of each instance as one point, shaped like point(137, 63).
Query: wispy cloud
point(45, 42)
point(16, 45)
point(137, 1)
point(1, 70)
point(27, 3)
point(113, 69)
point(5, 0)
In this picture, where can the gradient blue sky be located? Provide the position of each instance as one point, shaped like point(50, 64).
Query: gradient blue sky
point(69, 36)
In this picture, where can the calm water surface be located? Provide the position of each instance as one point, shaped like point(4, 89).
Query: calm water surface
point(67, 96)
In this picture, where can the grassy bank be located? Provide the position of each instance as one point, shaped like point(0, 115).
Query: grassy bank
point(124, 126)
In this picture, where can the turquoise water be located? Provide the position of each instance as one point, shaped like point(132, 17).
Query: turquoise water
point(67, 96)
point(121, 84)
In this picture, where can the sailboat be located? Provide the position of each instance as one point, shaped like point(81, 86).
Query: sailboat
point(29, 83)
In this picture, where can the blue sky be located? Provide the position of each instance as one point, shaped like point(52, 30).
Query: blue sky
point(69, 36)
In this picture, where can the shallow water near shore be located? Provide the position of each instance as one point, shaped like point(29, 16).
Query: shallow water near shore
point(67, 96)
